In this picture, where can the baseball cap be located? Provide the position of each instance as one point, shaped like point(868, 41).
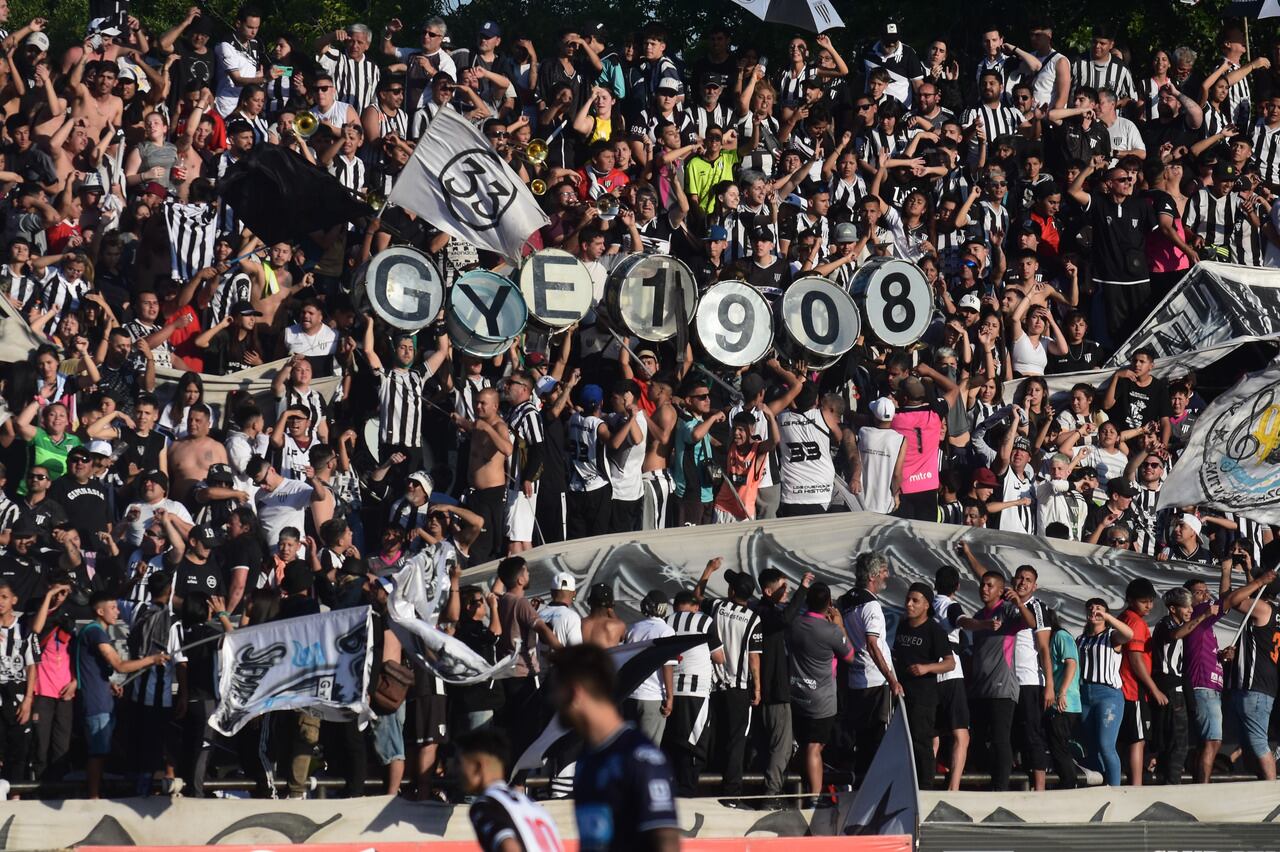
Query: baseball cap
point(984, 477)
point(40, 40)
point(80, 452)
point(100, 448)
point(153, 188)
point(601, 594)
point(158, 477)
point(1224, 171)
point(126, 72)
point(715, 80)
point(24, 528)
point(546, 385)
point(891, 30)
point(594, 28)
point(423, 479)
point(206, 534)
point(563, 582)
point(671, 86)
point(742, 585)
point(762, 235)
point(92, 181)
point(244, 308)
point(1121, 488)
point(490, 29)
point(716, 233)
point(970, 302)
point(655, 604)
point(1022, 444)
point(220, 472)
point(647, 353)
point(592, 394)
point(846, 232)
point(883, 409)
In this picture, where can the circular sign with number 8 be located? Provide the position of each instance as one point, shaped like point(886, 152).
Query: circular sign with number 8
point(896, 300)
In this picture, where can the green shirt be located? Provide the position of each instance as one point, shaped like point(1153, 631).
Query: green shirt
point(53, 456)
point(700, 177)
point(1062, 648)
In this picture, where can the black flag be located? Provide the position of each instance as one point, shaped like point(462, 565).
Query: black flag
point(281, 197)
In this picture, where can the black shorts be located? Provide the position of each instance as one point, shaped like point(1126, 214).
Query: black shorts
point(953, 706)
point(1135, 727)
point(425, 721)
point(800, 510)
point(812, 730)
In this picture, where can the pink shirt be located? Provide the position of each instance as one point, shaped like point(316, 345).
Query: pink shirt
point(922, 430)
point(53, 671)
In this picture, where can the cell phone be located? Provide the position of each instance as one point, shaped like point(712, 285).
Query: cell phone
point(285, 70)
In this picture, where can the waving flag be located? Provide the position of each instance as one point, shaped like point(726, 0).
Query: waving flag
point(457, 182)
point(316, 662)
point(413, 613)
point(888, 801)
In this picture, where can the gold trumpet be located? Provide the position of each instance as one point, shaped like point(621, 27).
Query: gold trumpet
point(376, 200)
point(608, 207)
point(538, 186)
point(536, 151)
point(305, 124)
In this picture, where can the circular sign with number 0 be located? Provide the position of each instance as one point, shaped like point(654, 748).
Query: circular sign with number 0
point(734, 323)
point(556, 287)
point(819, 316)
point(651, 295)
point(404, 287)
point(896, 298)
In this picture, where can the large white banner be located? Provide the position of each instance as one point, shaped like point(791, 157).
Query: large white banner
point(457, 182)
point(1232, 460)
point(316, 662)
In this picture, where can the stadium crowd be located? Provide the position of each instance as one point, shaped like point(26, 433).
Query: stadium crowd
point(1049, 199)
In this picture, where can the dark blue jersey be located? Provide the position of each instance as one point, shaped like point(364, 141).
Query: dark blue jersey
point(621, 790)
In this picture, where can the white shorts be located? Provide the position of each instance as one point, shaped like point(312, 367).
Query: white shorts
point(520, 515)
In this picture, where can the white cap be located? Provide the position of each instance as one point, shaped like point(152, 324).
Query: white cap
point(563, 582)
point(40, 40)
point(100, 448)
point(883, 409)
point(423, 479)
point(970, 301)
point(1193, 522)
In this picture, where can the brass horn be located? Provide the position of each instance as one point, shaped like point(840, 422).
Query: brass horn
point(536, 151)
point(608, 207)
point(538, 186)
point(305, 124)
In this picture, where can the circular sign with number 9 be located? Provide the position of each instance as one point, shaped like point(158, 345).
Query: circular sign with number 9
point(734, 324)
point(897, 300)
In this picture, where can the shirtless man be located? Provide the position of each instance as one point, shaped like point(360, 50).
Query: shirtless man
point(601, 627)
point(272, 281)
point(487, 473)
point(658, 485)
point(189, 459)
point(95, 101)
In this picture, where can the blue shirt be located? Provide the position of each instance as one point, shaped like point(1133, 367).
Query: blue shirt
point(1062, 648)
point(689, 456)
point(93, 671)
point(621, 790)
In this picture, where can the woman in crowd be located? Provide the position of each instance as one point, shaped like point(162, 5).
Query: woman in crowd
point(1102, 702)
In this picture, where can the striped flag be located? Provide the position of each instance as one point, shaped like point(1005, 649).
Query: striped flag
point(192, 228)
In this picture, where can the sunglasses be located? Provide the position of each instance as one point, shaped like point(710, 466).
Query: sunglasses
point(429, 34)
point(1121, 179)
point(37, 477)
point(699, 396)
point(324, 88)
point(396, 91)
point(154, 534)
point(864, 107)
point(80, 460)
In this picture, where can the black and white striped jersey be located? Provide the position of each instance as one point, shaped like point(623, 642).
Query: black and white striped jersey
point(1266, 151)
point(312, 400)
point(722, 116)
point(890, 145)
point(9, 512)
point(791, 84)
point(845, 195)
point(19, 650)
point(234, 285)
point(1222, 222)
point(26, 289)
point(1099, 75)
point(350, 172)
point(400, 399)
point(695, 673)
point(1011, 68)
point(1152, 531)
point(397, 124)
point(1099, 658)
point(998, 120)
point(1239, 96)
point(743, 635)
point(356, 81)
point(525, 423)
point(408, 517)
point(191, 228)
point(465, 393)
point(63, 296)
point(1215, 120)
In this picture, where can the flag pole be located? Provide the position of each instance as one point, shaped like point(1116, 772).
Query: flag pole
point(1247, 616)
point(188, 647)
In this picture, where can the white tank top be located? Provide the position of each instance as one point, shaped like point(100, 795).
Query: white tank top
point(336, 114)
point(624, 464)
point(583, 446)
point(879, 449)
point(1016, 518)
point(1046, 78)
point(942, 603)
point(807, 471)
point(1029, 359)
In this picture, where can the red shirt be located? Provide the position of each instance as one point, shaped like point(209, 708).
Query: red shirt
point(183, 341)
point(1141, 636)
